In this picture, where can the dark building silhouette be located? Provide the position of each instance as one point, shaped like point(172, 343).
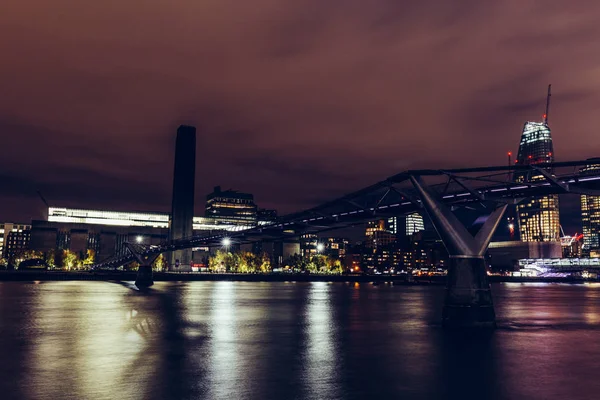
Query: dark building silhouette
point(182, 210)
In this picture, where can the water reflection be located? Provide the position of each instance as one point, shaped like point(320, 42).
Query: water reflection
point(322, 364)
point(96, 340)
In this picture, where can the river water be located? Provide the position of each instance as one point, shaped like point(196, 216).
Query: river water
point(238, 340)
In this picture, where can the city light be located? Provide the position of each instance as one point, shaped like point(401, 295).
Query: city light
point(226, 242)
point(320, 247)
point(139, 239)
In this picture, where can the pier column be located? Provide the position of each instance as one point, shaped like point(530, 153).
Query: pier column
point(144, 278)
point(468, 301)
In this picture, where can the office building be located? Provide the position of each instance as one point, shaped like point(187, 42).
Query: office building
point(590, 217)
point(379, 233)
point(538, 217)
point(14, 239)
point(231, 207)
point(413, 224)
point(406, 224)
point(309, 245)
point(182, 206)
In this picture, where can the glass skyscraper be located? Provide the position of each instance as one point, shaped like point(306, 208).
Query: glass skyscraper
point(590, 218)
point(538, 217)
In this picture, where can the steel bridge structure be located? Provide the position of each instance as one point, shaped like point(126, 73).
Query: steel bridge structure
point(493, 188)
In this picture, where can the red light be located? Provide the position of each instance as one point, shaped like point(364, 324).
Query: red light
point(545, 116)
point(550, 154)
point(530, 156)
point(510, 153)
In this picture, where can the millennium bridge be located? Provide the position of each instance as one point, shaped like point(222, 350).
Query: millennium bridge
point(437, 192)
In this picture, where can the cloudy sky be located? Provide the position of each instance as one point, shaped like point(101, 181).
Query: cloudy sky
point(296, 101)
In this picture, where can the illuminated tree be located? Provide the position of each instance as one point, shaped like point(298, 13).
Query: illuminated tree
point(49, 258)
point(90, 258)
point(222, 261)
point(264, 263)
point(3, 262)
point(160, 263)
point(69, 259)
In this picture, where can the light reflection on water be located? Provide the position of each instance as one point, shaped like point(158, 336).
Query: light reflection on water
point(230, 340)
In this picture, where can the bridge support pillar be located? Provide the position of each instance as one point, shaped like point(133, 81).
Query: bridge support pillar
point(468, 302)
point(145, 277)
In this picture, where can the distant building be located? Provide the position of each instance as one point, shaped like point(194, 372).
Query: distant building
point(105, 240)
point(14, 239)
point(406, 224)
point(506, 255)
point(572, 246)
point(308, 245)
point(379, 233)
point(413, 224)
point(336, 247)
point(266, 217)
point(231, 207)
point(538, 217)
point(182, 206)
point(127, 218)
point(590, 218)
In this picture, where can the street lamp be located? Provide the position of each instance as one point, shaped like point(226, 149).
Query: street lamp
point(320, 247)
point(139, 239)
point(226, 242)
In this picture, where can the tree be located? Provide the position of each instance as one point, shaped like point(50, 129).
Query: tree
point(49, 258)
point(90, 258)
point(220, 262)
point(3, 263)
point(160, 263)
point(70, 260)
point(264, 263)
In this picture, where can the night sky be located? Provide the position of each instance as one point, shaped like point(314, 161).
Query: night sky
point(295, 101)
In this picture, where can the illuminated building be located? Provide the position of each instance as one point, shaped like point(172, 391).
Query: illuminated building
point(590, 218)
point(308, 245)
point(14, 238)
point(378, 234)
point(538, 217)
point(125, 218)
point(336, 247)
point(182, 206)
point(406, 224)
point(414, 224)
point(231, 207)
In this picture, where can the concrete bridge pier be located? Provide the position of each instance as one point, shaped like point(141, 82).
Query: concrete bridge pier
point(468, 302)
point(144, 278)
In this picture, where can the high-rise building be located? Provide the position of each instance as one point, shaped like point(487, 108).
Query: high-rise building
point(182, 209)
point(538, 217)
point(406, 224)
point(590, 217)
point(414, 224)
point(231, 207)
